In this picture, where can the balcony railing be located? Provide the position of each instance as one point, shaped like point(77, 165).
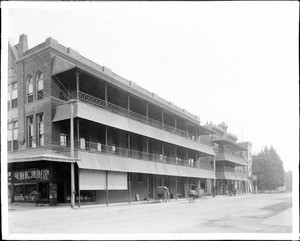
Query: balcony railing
point(89, 99)
point(234, 153)
point(133, 154)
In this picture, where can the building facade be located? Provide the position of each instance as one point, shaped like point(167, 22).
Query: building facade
point(126, 140)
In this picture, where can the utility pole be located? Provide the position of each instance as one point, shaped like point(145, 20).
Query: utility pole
point(72, 154)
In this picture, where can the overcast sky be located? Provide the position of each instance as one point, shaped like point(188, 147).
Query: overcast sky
point(235, 62)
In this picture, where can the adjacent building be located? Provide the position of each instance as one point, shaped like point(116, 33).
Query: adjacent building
point(71, 120)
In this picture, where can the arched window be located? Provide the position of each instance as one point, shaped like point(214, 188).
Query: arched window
point(40, 85)
point(29, 89)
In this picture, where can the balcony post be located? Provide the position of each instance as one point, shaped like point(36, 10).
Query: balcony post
point(105, 95)
point(214, 186)
point(106, 187)
point(176, 162)
point(77, 73)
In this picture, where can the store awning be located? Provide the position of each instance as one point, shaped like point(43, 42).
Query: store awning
point(94, 161)
point(45, 157)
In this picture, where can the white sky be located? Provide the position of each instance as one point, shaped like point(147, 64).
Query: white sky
point(235, 62)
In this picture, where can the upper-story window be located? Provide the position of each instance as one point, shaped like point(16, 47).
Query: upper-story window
point(12, 135)
point(40, 129)
point(29, 89)
point(14, 95)
point(30, 131)
point(40, 85)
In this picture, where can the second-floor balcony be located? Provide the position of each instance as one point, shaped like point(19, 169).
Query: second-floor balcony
point(97, 102)
point(102, 149)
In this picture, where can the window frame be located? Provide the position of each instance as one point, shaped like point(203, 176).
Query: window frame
point(39, 92)
point(30, 95)
point(40, 136)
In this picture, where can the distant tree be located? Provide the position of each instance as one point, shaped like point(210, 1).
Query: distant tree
point(268, 168)
point(288, 180)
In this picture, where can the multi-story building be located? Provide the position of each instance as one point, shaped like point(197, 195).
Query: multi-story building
point(125, 140)
point(233, 161)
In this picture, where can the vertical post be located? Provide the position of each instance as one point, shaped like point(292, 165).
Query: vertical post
point(106, 187)
point(106, 141)
point(147, 110)
point(176, 188)
point(129, 187)
point(12, 190)
point(78, 187)
point(176, 155)
point(214, 186)
point(77, 84)
point(105, 94)
point(187, 185)
point(72, 155)
point(148, 188)
point(162, 117)
point(128, 102)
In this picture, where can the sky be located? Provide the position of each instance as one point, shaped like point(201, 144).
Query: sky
point(235, 62)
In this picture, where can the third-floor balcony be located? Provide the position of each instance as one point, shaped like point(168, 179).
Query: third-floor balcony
point(92, 100)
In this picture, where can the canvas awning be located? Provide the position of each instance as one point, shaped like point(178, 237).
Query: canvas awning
point(231, 176)
point(94, 161)
point(42, 157)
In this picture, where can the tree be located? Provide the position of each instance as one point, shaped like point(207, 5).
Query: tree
point(268, 168)
point(289, 180)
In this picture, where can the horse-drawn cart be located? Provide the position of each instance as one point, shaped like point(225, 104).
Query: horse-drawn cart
point(162, 192)
point(194, 194)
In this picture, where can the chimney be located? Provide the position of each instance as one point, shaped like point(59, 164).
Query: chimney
point(23, 45)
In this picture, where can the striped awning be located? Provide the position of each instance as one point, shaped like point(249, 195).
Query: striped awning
point(94, 161)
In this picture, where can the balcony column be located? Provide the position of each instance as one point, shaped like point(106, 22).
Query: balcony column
point(105, 94)
point(175, 122)
point(163, 151)
point(176, 188)
point(129, 174)
point(128, 102)
point(77, 73)
point(176, 155)
point(162, 118)
point(106, 187)
point(147, 110)
point(106, 137)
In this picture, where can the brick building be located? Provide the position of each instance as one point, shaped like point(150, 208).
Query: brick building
point(126, 140)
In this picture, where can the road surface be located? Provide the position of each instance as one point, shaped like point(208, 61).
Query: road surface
point(261, 213)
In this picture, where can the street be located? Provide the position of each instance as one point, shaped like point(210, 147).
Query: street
point(260, 213)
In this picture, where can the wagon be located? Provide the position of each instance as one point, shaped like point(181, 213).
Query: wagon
point(162, 192)
point(194, 194)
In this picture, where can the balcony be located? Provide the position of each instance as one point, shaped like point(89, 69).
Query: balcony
point(97, 102)
point(102, 149)
point(228, 155)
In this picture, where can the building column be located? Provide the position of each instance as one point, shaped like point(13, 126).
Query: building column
point(176, 188)
point(176, 162)
point(128, 102)
point(105, 95)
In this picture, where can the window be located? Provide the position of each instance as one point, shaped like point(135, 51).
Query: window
point(30, 131)
point(14, 95)
point(8, 96)
point(40, 85)
point(40, 129)
point(63, 139)
point(12, 135)
point(140, 177)
point(29, 89)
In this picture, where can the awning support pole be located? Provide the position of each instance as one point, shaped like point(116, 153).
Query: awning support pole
point(106, 187)
point(72, 155)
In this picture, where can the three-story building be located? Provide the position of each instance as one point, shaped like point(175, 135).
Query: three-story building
point(127, 140)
